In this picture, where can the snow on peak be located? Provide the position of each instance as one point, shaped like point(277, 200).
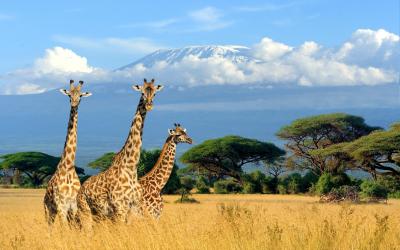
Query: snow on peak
point(235, 53)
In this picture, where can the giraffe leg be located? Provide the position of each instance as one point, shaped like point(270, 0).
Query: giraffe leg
point(158, 210)
point(120, 213)
point(72, 215)
point(50, 213)
point(83, 216)
point(50, 210)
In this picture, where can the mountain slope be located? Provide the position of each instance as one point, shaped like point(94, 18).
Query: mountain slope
point(236, 54)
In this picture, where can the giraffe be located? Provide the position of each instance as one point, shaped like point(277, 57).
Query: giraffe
point(63, 186)
point(114, 192)
point(154, 181)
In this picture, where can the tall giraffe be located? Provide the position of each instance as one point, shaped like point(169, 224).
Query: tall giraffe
point(154, 181)
point(63, 187)
point(114, 192)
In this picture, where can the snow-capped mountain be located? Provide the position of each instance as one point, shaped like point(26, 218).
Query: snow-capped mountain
point(235, 53)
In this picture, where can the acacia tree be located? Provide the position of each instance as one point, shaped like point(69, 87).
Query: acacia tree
point(148, 159)
point(275, 169)
point(36, 166)
point(226, 156)
point(376, 153)
point(318, 132)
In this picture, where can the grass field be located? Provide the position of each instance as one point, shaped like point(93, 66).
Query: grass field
point(217, 222)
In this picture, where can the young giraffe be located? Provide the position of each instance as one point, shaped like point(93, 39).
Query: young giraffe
point(63, 187)
point(114, 192)
point(154, 181)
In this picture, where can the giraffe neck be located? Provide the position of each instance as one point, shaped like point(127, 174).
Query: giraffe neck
point(163, 167)
point(130, 153)
point(68, 157)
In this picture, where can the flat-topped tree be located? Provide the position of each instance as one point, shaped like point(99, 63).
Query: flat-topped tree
point(317, 132)
point(377, 153)
point(226, 156)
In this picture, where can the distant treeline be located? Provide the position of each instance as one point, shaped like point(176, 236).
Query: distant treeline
point(319, 151)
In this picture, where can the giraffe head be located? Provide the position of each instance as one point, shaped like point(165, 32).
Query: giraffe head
point(74, 93)
point(179, 134)
point(148, 90)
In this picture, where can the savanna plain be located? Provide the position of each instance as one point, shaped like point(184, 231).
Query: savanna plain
point(216, 222)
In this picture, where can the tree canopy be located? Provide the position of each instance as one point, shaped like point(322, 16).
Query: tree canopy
point(377, 153)
point(36, 166)
point(227, 155)
point(148, 159)
point(318, 132)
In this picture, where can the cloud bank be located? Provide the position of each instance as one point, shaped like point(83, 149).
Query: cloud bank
point(369, 57)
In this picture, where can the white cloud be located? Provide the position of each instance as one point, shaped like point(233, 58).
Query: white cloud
point(268, 50)
point(367, 58)
point(371, 48)
point(55, 68)
point(59, 60)
point(309, 64)
point(209, 19)
point(29, 88)
point(138, 45)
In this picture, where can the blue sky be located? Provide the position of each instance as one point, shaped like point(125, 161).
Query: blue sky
point(31, 27)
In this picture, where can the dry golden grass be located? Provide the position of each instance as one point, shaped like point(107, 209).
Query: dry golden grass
point(217, 222)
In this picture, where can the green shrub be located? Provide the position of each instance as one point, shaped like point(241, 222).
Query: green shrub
point(266, 187)
point(249, 188)
point(201, 186)
point(308, 182)
point(328, 181)
point(391, 183)
point(374, 190)
point(395, 195)
point(281, 189)
point(227, 186)
point(292, 183)
point(253, 182)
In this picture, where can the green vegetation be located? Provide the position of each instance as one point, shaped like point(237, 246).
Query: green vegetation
point(373, 190)
point(377, 153)
point(321, 150)
point(319, 132)
point(29, 168)
point(226, 156)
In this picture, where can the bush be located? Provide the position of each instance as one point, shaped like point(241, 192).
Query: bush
point(395, 195)
point(281, 189)
point(292, 184)
point(249, 188)
point(308, 182)
point(254, 182)
point(328, 181)
point(268, 187)
point(227, 186)
point(391, 183)
point(201, 186)
point(373, 190)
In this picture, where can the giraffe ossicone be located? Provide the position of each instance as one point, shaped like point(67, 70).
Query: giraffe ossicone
point(63, 186)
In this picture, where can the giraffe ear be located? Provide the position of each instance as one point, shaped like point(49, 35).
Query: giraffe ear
point(86, 94)
point(64, 91)
point(171, 131)
point(159, 87)
point(137, 87)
